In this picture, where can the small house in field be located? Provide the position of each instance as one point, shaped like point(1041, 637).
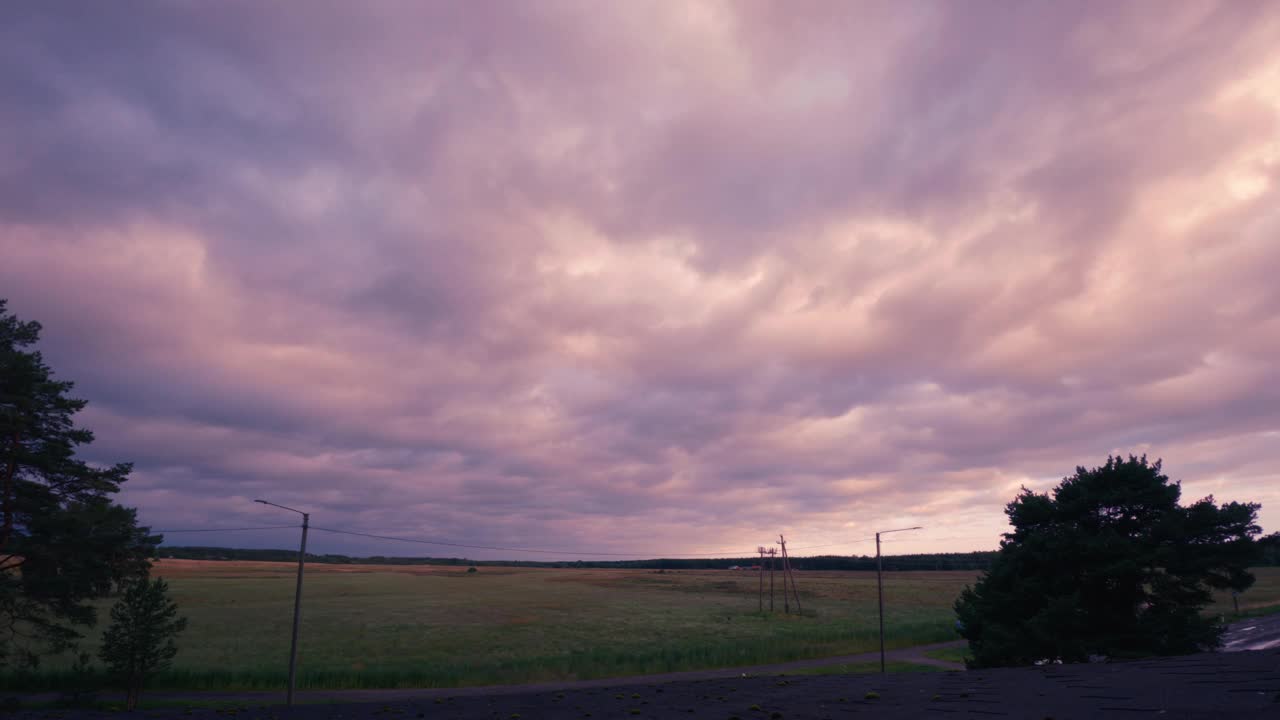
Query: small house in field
point(735, 567)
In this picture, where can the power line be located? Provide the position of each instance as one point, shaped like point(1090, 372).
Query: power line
point(727, 553)
point(540, 551)
point(913, 541)
point(845, 542)
point(239, 529)
point(872, 537)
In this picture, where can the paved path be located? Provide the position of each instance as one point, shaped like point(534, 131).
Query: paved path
point(917, 655)
point(1261, 633)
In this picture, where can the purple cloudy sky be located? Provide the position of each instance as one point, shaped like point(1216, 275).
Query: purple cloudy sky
point(651, 276)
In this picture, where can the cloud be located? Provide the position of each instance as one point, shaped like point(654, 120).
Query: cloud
point(657, 278)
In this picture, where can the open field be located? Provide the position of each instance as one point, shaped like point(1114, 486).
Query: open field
point(433, 626)
point(1261, 599)
point(438, 626)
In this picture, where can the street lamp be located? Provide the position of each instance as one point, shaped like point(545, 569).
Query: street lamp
point(879, 586)
point(297, 598)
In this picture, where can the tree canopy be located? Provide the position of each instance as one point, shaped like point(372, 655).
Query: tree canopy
point(63, 542)
point(1107, 564)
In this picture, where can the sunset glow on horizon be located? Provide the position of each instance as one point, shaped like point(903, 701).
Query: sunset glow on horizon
point(650, 277)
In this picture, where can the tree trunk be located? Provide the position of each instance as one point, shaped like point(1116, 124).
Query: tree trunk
point(7, 500)
point(131, 696)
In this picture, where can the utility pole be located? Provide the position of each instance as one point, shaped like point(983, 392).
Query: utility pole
point(297, 600)
point(760, 549)
point(786, 599)
point(880, 587)
point(771, 551)
point(786, 570)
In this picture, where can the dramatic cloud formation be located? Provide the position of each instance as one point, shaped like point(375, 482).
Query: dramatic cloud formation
point(664, 277)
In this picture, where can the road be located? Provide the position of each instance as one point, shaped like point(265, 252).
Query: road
point(1262, 633)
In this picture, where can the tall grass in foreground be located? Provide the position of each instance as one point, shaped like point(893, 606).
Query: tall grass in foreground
point(596, 662)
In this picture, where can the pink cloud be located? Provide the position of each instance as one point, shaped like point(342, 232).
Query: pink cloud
point(577, 278)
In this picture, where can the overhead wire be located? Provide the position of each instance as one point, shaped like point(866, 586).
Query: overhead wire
point(504, 548)
point(846, 542)
point(541, 551)
point(236, 529)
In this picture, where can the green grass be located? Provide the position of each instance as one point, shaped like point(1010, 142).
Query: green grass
point(432, 626)
point(1258, 611)
point(955, 654)
point(1261, 599)
point(365, 627)
point(55, 710)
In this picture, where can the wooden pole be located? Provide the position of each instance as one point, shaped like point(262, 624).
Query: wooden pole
point(760, 549)
point(786, 599)
point(880, 594)
point(771, 551)
point(786, 568)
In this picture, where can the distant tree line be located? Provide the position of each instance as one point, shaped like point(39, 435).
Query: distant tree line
point(1269, 550)
point(1269, 557)
point(896, 563)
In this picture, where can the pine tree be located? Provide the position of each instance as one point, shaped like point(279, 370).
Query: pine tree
point(1109, 564)
point(141, 638)
point(62, 541)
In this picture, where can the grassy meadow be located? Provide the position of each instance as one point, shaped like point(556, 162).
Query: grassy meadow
point(1261, 599)
point(438, 626)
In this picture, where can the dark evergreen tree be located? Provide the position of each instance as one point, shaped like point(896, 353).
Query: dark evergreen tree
point(1108, 564)
point(141, 638)
point(63, 542)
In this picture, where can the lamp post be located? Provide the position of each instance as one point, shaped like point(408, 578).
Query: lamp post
point(880, 586)
point(297, 599)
